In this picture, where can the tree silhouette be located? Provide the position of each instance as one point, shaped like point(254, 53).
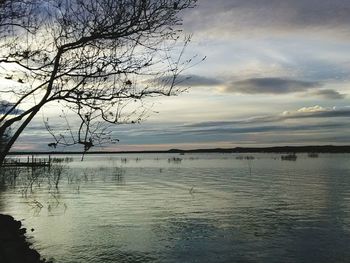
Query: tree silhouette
point(97, 58)
point(4, 140)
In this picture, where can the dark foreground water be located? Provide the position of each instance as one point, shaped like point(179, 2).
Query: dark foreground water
point(203, 208)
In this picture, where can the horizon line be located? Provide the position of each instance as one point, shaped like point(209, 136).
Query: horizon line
point(270, 149)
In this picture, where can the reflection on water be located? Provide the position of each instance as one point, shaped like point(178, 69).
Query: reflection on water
point(192, 208)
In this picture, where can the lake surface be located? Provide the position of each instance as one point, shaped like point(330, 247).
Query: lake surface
point(202, 208)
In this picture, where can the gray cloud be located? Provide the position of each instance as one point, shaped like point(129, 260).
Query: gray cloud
point(5, 106)
point(309, 12)
point(255, 86)
point(269, 86)
point(251, 86)
point(334, 113)
point(182, 134)
point(319, 123)
point(319, 114)
point(323, 125)
point(189, 81)
point(328, 94)
point(269, 128)
point(257, 14)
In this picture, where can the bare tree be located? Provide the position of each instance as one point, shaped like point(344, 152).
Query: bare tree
point(97, 58)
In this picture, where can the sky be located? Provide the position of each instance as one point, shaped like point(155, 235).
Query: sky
point(277, 72)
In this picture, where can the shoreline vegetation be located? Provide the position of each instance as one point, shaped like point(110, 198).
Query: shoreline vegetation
point(275, 149)
point(14, 246)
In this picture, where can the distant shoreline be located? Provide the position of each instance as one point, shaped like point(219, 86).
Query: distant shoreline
point(275, 149)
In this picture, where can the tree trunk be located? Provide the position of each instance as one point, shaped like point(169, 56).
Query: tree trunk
point(2, 158)
point(34, 111)
point(14, 137)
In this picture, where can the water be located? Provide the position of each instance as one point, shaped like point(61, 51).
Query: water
point(204, 208)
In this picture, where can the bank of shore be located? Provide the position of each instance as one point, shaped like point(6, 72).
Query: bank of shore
point(14, 247)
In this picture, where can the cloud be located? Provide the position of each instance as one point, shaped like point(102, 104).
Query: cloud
point(328, 94)
point(269, 86)
point(316, 111)
point(241, 15)
point(317, 125)
point(321, 121)
point(316, 108)
point(306, 124)
point(189, 81)
point(268, 128)
point(183, 133)
point(5, 106)
point(252, 86)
